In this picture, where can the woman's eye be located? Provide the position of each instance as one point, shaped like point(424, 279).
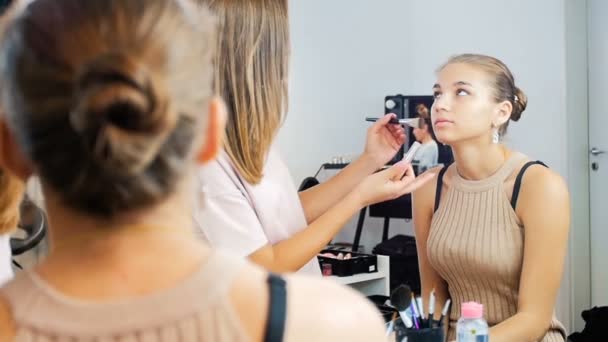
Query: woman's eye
point(436, 95)
point(462, 92)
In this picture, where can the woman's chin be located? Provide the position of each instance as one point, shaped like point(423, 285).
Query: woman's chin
point(446, 139)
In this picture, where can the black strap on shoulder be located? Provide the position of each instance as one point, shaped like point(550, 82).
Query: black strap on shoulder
point(439, 187)
point(277, 310)
point(518, 180)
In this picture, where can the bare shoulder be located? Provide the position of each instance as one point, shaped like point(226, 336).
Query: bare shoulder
point(249, 297)
point(424, 197)
point(322, 310)
point(544, 201)
point(317, 309)
point(7, 326)
point(540, 182)
point(427, 191)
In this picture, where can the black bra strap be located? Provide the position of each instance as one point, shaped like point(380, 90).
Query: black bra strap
point(439, 187)
point(277, 310)
point(518, 180)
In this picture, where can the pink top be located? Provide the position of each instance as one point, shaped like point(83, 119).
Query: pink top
point(241, 218)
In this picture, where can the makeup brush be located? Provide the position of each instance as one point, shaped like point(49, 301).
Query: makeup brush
point(444, 312)
point(431, 308)
point(412, 122)
point(415, 312)
point(420, 307)
point(401, 300)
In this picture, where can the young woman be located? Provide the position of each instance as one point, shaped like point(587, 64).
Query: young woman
point(494, 227)
point(110, 103)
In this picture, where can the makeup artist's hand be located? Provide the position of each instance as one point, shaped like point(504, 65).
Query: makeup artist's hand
point(389, 184)
point(383, 141)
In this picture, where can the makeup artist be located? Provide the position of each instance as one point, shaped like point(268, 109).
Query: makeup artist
point(248, 202)
point(114, 132)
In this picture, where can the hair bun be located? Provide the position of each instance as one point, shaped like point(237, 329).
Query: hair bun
point(120, 113)
point(520, 102)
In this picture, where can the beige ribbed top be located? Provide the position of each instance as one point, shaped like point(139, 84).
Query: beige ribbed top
point(476, 244)
point(198, 309)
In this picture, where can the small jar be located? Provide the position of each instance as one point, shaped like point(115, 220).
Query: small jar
point(326, 270)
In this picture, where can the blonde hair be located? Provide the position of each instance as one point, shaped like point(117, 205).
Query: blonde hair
point(10, 198)
point(109, 117)
point(502, 79)
point(251, 76)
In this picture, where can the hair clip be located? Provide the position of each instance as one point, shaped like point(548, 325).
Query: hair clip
point(515, 98)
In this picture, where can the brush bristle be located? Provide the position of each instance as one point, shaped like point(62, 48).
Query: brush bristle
point(401, 297)
point(414, 123)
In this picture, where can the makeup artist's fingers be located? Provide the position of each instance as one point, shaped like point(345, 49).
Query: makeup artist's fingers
point(404, 179)
point(394, 182)
point(395, 129)
point(409, 172)
point(401, 139)
point(398, 170)
point(382, 122)
point(395, 135)
point(398, 136)
point(417, 182)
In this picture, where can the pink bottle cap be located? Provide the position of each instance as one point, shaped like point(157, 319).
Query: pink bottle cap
point(472, 310)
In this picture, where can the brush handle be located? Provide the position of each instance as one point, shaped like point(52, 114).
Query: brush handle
point(415, 313)
point(389, 329)
point(392, 121)
point(391, 324)
point(444, 312)
point(405, 319)
point(409, 156)
point(431, 304)
point(419, 300)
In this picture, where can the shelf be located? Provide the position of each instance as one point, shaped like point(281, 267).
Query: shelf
point(357, 278)
point(376, 283)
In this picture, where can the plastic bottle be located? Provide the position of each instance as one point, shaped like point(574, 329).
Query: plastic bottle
point(471, 326)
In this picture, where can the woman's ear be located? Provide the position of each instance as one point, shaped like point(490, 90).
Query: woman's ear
point(11, 158)
point(214, 134)
point(503, 113)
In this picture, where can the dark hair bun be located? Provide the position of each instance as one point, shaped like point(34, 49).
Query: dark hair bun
point(121, 115)
point(520, 102)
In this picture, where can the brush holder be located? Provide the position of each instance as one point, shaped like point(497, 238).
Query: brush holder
point(434, 334)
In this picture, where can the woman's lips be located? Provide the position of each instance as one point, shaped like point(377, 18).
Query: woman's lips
point(442, 123)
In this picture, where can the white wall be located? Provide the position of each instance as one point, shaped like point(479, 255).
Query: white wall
point(348, 54)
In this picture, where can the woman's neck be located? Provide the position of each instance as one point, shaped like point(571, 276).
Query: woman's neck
point(475, 161)
point(93, 259)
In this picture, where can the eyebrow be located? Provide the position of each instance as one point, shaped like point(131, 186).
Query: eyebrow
point(459, 83)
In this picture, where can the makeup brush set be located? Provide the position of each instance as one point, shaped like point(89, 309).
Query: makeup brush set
point(410, 322)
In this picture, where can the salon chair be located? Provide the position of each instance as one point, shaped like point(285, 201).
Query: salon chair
point(34, 224)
